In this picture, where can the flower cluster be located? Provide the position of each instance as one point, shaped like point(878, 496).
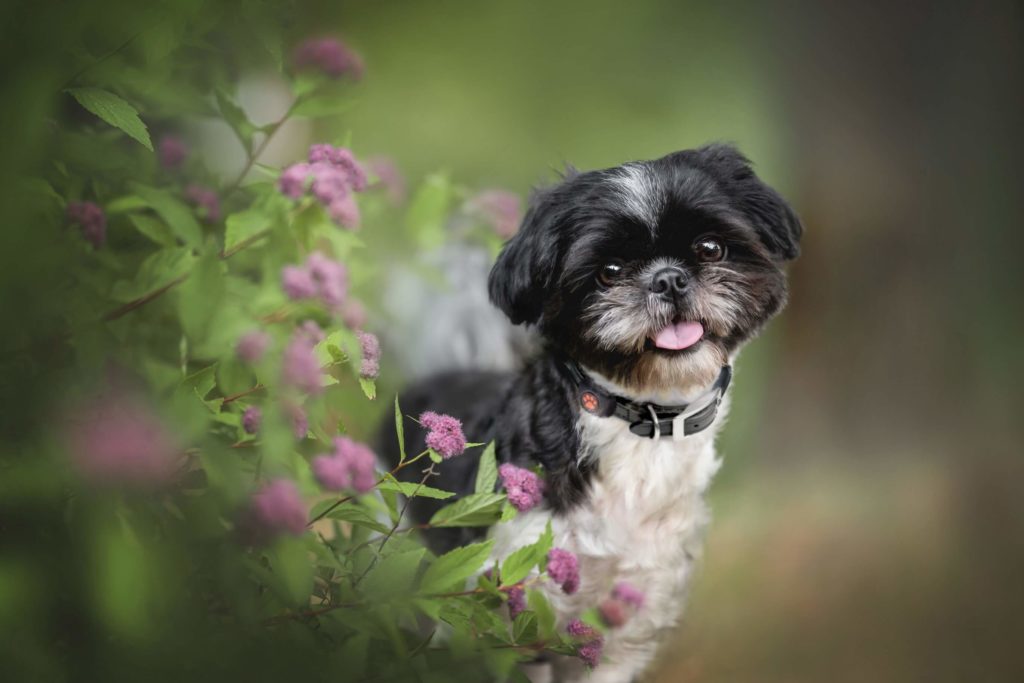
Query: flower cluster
point(278, 508)
point(319, 277)
point(252, 345)
point(252, 418)
point(370, 346)
point(117, 439)
point(564, 569)
point(298, 418)
point(335, 175)
point(300, 368)
point(172, 152)
point(445, 434)
point(525, 489)
point(329, 56)
point(590, 642)
point(350, 465)
point(90, 219)
point(625, 600)
point(206, 200)
point(499, 209)
point(516, 600)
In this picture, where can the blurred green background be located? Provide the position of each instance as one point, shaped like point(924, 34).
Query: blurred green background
point(869, 520)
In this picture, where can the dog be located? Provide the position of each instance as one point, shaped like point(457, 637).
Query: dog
point(642, 282)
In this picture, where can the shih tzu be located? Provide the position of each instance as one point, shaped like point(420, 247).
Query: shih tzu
point(642, 282)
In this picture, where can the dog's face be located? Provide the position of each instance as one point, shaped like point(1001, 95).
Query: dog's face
point(652, 273)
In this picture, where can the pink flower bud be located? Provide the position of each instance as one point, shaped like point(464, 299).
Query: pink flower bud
point(445, 435)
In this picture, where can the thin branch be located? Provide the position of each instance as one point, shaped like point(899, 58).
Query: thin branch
point(235, 397)
point(143, 300)
point(380, 481)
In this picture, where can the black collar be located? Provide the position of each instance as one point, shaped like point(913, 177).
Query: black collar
point(649, 419)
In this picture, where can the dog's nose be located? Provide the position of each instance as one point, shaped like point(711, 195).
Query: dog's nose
point(668, 283)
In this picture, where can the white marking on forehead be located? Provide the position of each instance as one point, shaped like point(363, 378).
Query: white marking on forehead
point(640, 193)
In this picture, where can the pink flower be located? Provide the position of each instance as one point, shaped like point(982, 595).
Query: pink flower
point(389, 178)
point(251, 419)
point(525, 489)
point(172, 152)
point(445, 435)
point(252, 345)
point(298, 283)
point(370, 345)
point(344, 212)
point(117, 439)
point(591, 642)
point(351, 465)
point(90, 219)
point(564, 569)
point(278, 508)
point(311, 331)
point(292, 182)
point(516, 600)
point(300, 366)
point(500, 209)
point(206, 200)
point(329, 182)
point(614, 613)
point(330, 278)
point(300, 423)
point(629, 594)
point(330, 56)
point(353, 314)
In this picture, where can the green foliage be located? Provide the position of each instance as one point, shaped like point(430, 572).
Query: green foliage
point(154, 314)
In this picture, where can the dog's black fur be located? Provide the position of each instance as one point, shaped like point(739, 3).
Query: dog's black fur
point(547, 275)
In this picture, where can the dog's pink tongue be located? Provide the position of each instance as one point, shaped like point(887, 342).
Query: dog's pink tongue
point(679, 336)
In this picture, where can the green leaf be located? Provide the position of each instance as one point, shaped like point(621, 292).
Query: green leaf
point(243, 226)
point(517, 565)
point(539, 605)
point(428, 212)
point(174, 212)
point(323, 104)
point(369, 387)
point(293, 569)
point(199, 298)
point(235, 117)
point(478, 509)
point(359, 516)
point(154, 229)
point(435, 457)
point(157, 270)
point(400, 430)
point(487, 471)
point(125, 204)
point(524, 627)
point(115, 111)
point(409, 488)
point(393, 575)
point(455, 567)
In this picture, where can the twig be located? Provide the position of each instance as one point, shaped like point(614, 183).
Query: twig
point(143, 300)
point(235, 397)
point(380, 481)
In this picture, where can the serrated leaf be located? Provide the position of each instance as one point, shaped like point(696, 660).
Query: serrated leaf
point(290, 563)
point(369, 387)
point(235, 117)
point(454, 567)
point(428, 212)
point(518, 565)
point(524, 627)
point(242, 226)
point(487, 471)
point(400, 430)
point(125, 204)
point(200, 296)
point(540, 606)
point(113, 110)
point(324, 103)
point(409, 488)
point(174, 212)
point(153, 228)
point(393, 574)
point(157, 270)
point(360, 516)
point(478, 509)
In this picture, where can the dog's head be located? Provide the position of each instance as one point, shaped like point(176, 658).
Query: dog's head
point(651, 273)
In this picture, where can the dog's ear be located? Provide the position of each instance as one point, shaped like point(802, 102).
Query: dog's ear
point(773, 218)
point(525, 268)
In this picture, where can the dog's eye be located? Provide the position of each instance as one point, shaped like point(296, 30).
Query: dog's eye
point(709, 250)
point(609, 273)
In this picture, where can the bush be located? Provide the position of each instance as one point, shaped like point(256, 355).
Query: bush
point(200, 501)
